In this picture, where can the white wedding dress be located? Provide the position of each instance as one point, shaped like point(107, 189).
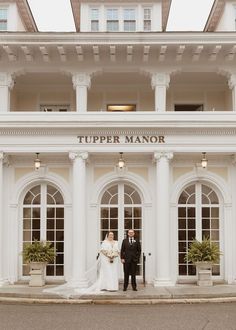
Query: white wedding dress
point(106, 274)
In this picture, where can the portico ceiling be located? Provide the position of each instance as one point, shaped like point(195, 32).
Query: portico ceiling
point(127, 48)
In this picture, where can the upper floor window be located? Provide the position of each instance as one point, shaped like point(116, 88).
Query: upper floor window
point(112, 20)
point(3, 19)
point(147, 19)
point(129, 20)
point(94, 16)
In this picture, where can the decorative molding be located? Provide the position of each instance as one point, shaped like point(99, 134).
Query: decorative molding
point(79, 154)
point(6, 80)
point(82, 80)
point(160, 155)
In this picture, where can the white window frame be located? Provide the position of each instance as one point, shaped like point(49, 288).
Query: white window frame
point(4, 20)
point(129, 20)
point(146, 20)
point(91, 19)
point(107, 8)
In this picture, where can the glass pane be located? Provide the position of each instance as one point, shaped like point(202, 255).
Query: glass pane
point(94, 26)
point(50, 235)
point(105, 198)
point(182, 223)
point(114, 199)
point(104, 212)
point(182, 212)
point(183, 198)
point(36, 190)
point(205, 223)
point(60, 259)
point(94, 14)
point(36, 212)
point(128, 223)
point(137, 223)
point(205, 212)
point(191, 212)
point(50, 199)
point(112, 14)
point(128, 212)
point(28, 198)
point(137, 212)
point(27, 213)
point(59, 270)
point(129, 14)
point(215, 236)
point(114, 212)
point(127, 199)
point(27, 224)
point(51, 190)
point(50, 223)
point(60, 223)
point(36, 223)
point(213, 198)
point(58, 197)
point(60, 247)
point(205, 234)
point(129, 26)
point(27, 236)
point(50, 212)
point(191, 235)
point(191, 189)
point(136, 198)
point(206, 190)
point(182, 270)
point(182, 235)
point(60, 212)
point(191, 223)
point(181, 258)
point(104, 224)
point(191, 199)
point(182, 247)
point(59, 236)
point(215, 270)
point(50, 270)
point(147, 13)
point(191, 270)
point(113, 190)
point(36, 199)
point(113, 224)
point(214, 212)
point(205, 199)
point(36, 235)
point(215, 223)
point(3, 13)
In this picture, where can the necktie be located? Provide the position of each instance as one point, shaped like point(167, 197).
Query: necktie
point(131, 241)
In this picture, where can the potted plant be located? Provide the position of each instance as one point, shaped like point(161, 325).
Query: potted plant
point(38, 254)
point(203, 254)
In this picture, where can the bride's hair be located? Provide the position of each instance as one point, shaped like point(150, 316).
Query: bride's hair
point(107, 234)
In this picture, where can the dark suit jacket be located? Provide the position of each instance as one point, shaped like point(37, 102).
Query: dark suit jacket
point(130, 252)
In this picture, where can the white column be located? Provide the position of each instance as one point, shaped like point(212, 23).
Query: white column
point(6, 84)
point(160, 83)
point(81, 83)
point(79, 219)
point(232, 85)
point(1, 219)
point(163, 273)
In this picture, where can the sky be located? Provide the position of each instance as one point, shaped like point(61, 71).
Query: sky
point(56, 15)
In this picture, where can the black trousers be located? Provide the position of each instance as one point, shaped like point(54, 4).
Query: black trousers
point(130, 269)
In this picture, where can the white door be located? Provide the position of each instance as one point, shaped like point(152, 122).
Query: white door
point(121, 210)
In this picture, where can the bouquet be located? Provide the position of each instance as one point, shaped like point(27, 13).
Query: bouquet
point(111, 254)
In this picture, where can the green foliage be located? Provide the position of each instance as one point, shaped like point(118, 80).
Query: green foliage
point(203, 251)
point(38, 251)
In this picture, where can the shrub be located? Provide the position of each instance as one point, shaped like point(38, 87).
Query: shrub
point(38, 251)
point(203, 251)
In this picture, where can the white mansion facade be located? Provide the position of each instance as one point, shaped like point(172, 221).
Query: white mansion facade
point(120, 84)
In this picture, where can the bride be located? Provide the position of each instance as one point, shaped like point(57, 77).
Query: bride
point(109, 258)
point(107, 278)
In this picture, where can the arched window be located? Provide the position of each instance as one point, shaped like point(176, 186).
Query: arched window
point(198, 217)
point(43, 219)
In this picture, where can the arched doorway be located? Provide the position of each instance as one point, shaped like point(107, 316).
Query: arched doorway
point(198, 217)
point(120, 210)
point(43, 219)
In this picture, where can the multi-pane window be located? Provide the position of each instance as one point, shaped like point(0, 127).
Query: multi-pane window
point(43, 219)
point(112, 20)
point(147, 19)
point(198, 217)
point(3, 19)
point(94, 19)
point(129, 20)
point(121, 210)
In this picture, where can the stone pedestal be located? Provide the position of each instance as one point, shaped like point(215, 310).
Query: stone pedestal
point(37, 274)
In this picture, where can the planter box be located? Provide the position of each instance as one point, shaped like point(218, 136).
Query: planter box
point(37, 273)
point(204, 273)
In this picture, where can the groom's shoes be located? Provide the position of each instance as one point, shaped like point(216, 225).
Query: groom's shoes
point(135, 289)
point(124, 289)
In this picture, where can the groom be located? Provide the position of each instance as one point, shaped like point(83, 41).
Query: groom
point(130, 254)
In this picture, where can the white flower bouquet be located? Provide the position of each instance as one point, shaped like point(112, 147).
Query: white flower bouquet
point(111, 254)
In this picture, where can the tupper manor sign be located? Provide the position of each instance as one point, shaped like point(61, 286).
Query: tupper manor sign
point(121, 139)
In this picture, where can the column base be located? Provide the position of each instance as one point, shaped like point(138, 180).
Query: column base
point(163, 282)
point(3, 282)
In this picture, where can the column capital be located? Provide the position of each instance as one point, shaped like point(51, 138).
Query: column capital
point(166, 155)
point(79, 154)
point(160, 79)
point(82, 79)
point(232, 81)
point(6, 80)
point(1, 156)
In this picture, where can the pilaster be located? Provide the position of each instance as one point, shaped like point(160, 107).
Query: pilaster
point(163, 269)
point(81, 83)
point(232, 85)
point(160, 83)
point(6, 84)
point(78, 278)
